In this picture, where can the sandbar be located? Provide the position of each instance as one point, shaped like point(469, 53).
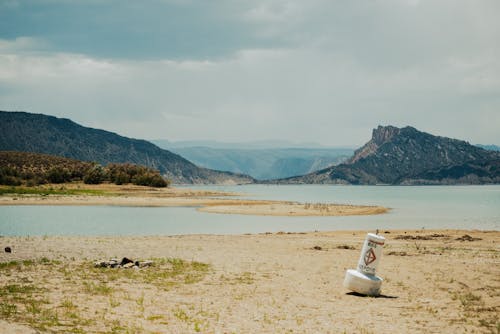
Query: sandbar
point(204, 200)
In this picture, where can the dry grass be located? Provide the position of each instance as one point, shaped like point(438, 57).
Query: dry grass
point(31, 290)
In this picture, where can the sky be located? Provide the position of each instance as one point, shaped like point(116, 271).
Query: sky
point(319, 71)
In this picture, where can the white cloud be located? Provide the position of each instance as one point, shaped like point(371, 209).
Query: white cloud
point(21, 44)
point(331, 72)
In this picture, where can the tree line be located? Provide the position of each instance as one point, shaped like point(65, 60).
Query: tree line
point(31, 169)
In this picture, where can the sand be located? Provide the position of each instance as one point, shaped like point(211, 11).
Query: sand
point(207, 201)
point(266, 283)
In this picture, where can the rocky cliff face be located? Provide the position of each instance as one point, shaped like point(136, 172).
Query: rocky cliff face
point(409, 156)
point(380, 136)
point(26, 132)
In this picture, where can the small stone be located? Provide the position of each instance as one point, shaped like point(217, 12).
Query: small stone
point(467, 237)
point(317, 248)
point(145, 264)
point(8, 250)
point(128, 265)
point(126, 261)
point(101, 264)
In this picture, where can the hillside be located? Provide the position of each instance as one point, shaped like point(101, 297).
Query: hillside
point(262, 163)
point(21, 131)
point(408, 156)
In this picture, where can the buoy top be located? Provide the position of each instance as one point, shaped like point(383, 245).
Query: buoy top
point(378, 239)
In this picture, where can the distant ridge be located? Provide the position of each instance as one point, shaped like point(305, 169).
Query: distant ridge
point(27, 132)
point(489, 147)
point(262, 164)
point(408, 156)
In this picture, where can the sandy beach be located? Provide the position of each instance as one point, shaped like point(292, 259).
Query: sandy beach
point(435, 282)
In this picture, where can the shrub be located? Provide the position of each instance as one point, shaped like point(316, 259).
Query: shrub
point(120, 178)
point(95, 175)
point(150, 179)
point(9, 180)
point(58, 175)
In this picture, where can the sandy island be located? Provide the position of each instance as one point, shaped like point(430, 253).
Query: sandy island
point(435, 282)
point(206, 201)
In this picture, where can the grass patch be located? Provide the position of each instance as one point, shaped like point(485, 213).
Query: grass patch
point(30, 285)
point(20, 265)
point(7, 310)
point(165, 273)
point(242, 278)
point(13, 289)
point(43, 191)
point(198, 320)
point(97, 289)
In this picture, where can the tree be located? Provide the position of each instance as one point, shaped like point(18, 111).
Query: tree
point(58, 175)
point(95, 175)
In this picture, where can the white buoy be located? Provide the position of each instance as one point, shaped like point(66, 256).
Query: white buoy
point(364, 280)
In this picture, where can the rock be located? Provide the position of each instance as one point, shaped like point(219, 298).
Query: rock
point(317, 248)
point(8, 250)
point(467, 237)
point(145, 264)
point(126, 261)
point(101, 264)
point(345, 247)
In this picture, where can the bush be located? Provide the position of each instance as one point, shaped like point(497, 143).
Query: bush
point(150, 179)
point(9, 180)
point(95, 175)
point(120, 178)
point(58, 175)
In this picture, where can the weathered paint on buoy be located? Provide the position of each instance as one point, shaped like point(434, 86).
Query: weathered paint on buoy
point(364, 280)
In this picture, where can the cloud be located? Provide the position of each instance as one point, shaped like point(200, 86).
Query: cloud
point(321, 71)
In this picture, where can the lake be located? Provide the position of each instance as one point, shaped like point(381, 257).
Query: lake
point(413, 207)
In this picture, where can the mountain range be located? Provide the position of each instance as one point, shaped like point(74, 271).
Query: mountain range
point(262, 163)
point(27, 132)
point(403, 156)
point(407, 156)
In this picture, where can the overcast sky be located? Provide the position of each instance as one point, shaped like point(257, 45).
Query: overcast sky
point(319, 71)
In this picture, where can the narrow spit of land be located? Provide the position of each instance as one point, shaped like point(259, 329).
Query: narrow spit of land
point(206, 201)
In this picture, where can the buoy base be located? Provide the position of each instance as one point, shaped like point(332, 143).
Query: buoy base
point(364, 284)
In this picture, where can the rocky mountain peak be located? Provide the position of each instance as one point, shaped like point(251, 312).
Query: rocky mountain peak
point(380, 136)
point(383, 134)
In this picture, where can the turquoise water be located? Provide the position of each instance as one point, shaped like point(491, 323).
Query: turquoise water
point(455, 207)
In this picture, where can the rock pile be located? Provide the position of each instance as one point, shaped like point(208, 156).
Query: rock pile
point(124, 263)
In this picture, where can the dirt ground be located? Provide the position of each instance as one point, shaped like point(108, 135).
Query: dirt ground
point(434, 282)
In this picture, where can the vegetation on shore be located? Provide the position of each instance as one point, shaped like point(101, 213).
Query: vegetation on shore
point(48, 190)
point(37, 301)
point(32, 169)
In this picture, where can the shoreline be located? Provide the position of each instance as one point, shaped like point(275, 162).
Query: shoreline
point(437, 281)
point(205, 201)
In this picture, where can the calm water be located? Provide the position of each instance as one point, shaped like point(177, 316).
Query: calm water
point(460, 207)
